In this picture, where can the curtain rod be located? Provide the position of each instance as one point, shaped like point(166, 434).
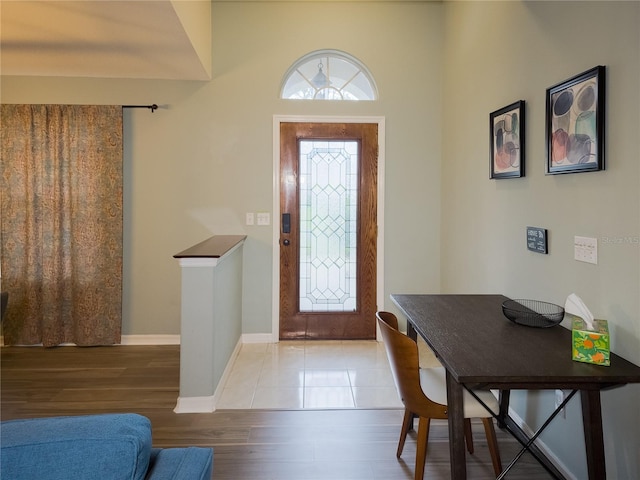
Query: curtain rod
point(153, 107)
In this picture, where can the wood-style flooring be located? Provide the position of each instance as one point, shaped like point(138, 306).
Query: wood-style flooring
point(348, 444)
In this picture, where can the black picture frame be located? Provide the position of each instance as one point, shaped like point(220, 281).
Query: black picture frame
point(575, 123)
point(507, 138)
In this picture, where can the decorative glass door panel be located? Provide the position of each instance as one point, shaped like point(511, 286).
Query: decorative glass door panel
point(328, 183)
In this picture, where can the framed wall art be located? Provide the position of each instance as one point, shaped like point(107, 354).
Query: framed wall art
point(575, 116)
point(507, 141)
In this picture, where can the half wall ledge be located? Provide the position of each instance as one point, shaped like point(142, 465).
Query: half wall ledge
point(210, 318)
point(214, 247)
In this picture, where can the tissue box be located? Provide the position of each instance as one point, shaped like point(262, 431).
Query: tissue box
point(590, 346)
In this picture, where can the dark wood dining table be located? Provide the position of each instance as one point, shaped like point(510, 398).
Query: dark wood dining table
point(481, 349)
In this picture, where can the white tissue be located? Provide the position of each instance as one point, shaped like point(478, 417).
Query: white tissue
point(575, 306)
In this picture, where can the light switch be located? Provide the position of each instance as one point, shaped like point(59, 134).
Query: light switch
point(264, 218)
point(585, 249)
point(249, 218)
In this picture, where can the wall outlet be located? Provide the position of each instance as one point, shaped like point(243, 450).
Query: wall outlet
point(560, 396)
point(585, 249)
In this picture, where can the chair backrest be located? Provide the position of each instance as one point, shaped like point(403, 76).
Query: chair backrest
point(402, 352)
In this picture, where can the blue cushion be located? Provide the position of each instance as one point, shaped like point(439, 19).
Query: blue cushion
point(112, 446)
point(193, 463)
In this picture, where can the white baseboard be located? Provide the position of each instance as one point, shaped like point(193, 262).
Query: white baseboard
point(227, 372)
point(195, 405)
point(174, 339)
point(208, 404)
point(257, 338)
point(129, 340)
point(542, 446)
point(150, 340)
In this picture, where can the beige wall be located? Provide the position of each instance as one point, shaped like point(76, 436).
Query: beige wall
point(205, 157)
point(500, 52)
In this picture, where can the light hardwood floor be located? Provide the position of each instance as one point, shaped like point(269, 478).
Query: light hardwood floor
point(335, 444)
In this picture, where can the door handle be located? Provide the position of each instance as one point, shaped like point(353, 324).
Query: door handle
point(286, 242)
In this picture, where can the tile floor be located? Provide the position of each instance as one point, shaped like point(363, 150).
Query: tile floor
point(313, 374)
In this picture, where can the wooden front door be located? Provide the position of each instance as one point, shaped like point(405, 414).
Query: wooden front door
point(328, 230)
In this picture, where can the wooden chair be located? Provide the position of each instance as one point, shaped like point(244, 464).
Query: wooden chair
point(424, 394)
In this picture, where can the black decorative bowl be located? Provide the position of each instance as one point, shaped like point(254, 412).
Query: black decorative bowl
point(533, 313)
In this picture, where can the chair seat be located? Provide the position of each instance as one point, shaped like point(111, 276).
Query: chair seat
point(434, 385)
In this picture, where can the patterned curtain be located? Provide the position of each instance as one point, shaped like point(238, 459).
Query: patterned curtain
point(61, 224)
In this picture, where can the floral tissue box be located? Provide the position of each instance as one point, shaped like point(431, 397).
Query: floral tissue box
point(590, 346)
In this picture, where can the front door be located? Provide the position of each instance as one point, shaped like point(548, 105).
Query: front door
point(328, 230)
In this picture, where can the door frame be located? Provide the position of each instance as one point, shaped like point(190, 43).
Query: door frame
point(277, 120)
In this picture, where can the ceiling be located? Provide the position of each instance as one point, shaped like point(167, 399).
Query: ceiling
point(153, 39)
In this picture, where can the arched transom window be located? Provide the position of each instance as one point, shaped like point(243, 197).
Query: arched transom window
point(328, 75)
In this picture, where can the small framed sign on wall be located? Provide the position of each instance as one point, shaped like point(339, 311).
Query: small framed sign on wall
point(537, 240)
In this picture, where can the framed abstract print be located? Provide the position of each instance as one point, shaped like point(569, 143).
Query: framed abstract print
point(575, 117)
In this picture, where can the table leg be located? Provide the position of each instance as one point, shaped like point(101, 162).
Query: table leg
point(411, 332)
point(503, 398)
point(455, 407)
point(593, 436)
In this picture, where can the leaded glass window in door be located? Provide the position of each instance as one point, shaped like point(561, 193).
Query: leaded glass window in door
point(328, 183)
